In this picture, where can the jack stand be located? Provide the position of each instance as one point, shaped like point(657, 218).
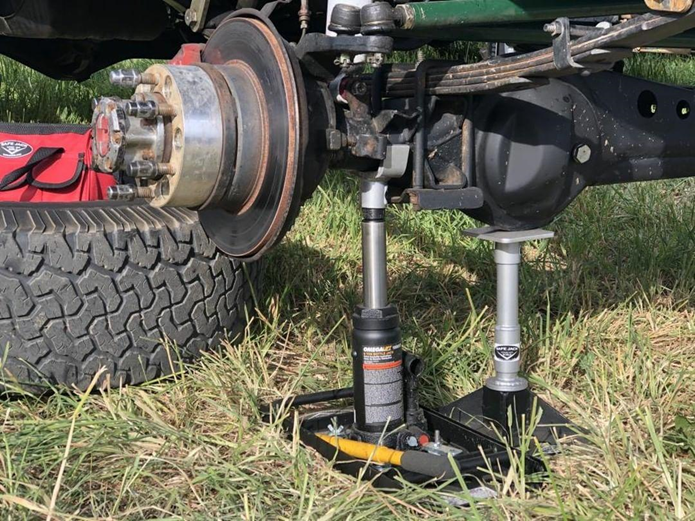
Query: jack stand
point(386, 434)
point(505, 403)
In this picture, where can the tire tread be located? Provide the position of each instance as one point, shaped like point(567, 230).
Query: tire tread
point(98, 285)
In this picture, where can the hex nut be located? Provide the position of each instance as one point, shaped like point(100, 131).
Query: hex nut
point(582, 154)
point(359, 88)
point(334, 139)
point(191, 16)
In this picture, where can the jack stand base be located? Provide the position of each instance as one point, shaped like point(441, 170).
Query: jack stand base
point(481, 410)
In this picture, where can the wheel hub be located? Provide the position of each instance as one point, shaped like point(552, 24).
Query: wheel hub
point(226, 137)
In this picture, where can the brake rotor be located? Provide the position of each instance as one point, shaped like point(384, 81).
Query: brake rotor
point(263, 192)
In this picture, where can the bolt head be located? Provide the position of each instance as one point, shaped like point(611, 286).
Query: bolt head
point(411, 441)
point(582, 154)
point(191, 16)
point(552, 28)
point(359, 88)
point(375, 59)
point(334, 139)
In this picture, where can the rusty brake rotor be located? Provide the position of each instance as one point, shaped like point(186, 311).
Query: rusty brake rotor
point(262, 194)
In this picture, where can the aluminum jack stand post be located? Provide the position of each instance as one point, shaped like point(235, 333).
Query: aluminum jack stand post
point(505, 402)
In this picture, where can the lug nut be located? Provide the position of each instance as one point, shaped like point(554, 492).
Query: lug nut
point(131, 78)
point(149, 109)
point(141, 109)
point(129, 192)
point(121, 193)
point(148, 170)
point(125, 78)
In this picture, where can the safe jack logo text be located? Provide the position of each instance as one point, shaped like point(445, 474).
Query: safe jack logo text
point(506, 353)
point(12, 149)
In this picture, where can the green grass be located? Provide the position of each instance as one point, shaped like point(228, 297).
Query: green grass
point(608, 317)
point(26, 95)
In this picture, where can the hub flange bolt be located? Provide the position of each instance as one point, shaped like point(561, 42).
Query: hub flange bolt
point(582, 153)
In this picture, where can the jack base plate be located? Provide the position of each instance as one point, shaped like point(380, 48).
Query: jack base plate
point(476, 469)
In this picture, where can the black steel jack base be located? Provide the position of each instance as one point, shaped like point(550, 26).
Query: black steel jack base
point(495, 414)
point(439, 449)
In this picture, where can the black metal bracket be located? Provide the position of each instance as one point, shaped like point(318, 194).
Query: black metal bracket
point(318, 51)
point(562, 31)
point(552, 426)
point(457, 199)
point(562, 45)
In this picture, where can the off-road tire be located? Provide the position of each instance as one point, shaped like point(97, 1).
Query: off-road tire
point(96, 285)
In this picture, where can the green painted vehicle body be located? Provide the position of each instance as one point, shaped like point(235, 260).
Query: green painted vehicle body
point(451, 14)
point(512, 21)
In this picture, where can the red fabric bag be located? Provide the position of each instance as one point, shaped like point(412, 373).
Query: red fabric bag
point(49, 164)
